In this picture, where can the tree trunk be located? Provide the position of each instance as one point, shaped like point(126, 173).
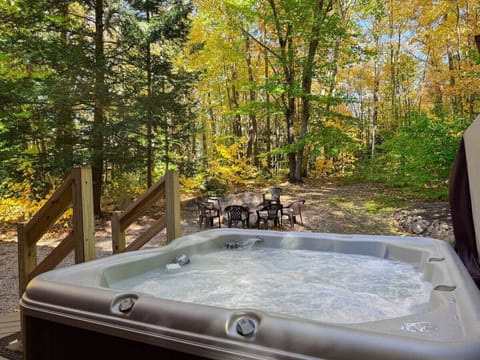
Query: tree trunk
point(208, 132)
point(252, 144)
point(150, 130)
point(307, 76)
point(292, 160)
point(376, 89)
point(232, 97)
point(286, 55)
point(99, 111)
point(393, 78)
point(289, 69)
point(451, 69)
point(268, 126)
point(64, 138)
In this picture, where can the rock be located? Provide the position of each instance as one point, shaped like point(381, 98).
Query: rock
point(441, 230)
point(416, 224)
point(419, 226)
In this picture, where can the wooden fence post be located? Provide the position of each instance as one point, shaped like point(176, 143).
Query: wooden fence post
point(118, 235)
point(83, 217)
point(172, 197)
point(27, 257)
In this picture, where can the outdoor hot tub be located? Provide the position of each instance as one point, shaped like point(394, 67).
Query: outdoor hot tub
point(245, 294)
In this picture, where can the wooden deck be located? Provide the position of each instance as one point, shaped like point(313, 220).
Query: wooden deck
point(9, 324)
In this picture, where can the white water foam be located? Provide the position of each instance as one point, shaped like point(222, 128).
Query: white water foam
point(320, 286)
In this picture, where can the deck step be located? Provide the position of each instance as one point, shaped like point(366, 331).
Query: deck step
point(9, 324)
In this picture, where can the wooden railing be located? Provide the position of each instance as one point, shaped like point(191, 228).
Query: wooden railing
point(76, 192)
point(166, 187)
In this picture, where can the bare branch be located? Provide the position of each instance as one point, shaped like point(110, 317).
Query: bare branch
point(264, 46)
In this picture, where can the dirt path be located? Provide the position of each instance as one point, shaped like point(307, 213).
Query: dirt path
point(350, 209)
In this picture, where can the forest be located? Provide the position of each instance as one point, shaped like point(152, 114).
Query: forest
point(232, 93)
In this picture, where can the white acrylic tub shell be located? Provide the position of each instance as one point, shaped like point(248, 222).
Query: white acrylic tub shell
point(78, 301)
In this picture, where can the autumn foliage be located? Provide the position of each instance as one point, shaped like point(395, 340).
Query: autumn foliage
point(232, 93)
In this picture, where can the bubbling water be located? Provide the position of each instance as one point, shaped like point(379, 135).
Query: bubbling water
point(319, 286)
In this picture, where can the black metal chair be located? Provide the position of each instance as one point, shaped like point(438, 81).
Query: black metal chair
point(271, 212)
point(207, 212)
point(293, 210)
point(272, 196)
point(238, 214)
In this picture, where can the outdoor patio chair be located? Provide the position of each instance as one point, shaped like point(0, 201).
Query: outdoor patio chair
point(207, 212)
point(272, 196)
point(271, 212)
point(293, 210)
point(237, 214)
point(216, 203)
